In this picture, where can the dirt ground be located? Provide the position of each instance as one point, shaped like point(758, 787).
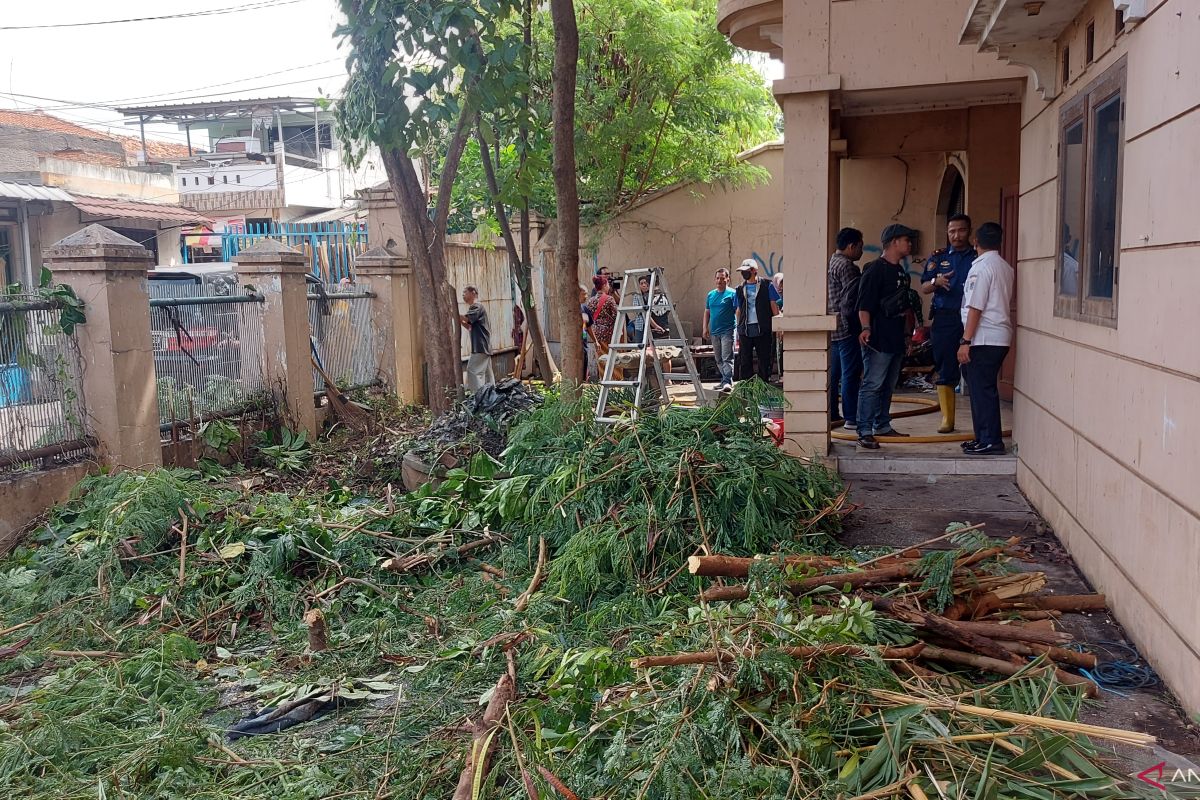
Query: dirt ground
point(904, 510)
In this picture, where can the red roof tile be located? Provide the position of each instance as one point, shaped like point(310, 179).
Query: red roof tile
point(40, 120)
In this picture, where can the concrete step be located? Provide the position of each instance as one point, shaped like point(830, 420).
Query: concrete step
point(894, 461)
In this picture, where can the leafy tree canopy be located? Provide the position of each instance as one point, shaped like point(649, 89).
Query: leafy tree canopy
point(662, 98)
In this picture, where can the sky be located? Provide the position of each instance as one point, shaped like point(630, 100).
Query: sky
point(267, 48)
point(289, 43)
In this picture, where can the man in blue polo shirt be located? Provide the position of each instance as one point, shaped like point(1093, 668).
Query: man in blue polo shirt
point(719, 321)
point(944, 276)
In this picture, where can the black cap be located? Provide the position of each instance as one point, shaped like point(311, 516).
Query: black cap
point(895, 231)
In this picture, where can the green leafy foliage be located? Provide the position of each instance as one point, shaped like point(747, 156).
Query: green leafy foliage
point(652, 493)
point(137, 667)
point(408, 63)
point(219, 434)
point(291, 454)
point(662, 98)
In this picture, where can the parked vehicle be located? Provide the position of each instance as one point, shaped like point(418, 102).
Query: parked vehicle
point(193, 343)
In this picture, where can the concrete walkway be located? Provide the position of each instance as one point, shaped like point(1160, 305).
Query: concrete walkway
point(902, 510)
point(943, 458)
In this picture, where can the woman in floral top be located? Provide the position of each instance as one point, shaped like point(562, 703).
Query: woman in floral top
point(603, 307)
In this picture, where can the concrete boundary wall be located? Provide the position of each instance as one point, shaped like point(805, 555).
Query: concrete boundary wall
point(25, 496)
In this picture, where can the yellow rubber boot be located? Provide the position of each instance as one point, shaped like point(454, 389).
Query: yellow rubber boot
point(946, 401)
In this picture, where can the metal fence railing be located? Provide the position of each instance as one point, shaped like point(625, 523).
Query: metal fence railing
point(42, 420)
point(208, 355)
point(342, 336)
point(330, 247)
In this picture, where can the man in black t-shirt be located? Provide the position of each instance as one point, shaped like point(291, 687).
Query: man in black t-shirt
point(479, 364)
point(882, 301)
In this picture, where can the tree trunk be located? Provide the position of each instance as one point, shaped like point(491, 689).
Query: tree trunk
point(566, 190)
point(439, 310)
point(519, 267)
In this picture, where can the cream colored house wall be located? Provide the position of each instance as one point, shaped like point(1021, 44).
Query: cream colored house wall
point(1107, 420)
point(896, 165)
point(883, 43)
point(694, 230)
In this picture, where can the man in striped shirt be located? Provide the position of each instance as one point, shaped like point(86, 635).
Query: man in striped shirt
point(845, 355)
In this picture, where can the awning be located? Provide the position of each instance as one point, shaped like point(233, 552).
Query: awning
point(352, 213)
point(132, 209)
point(32, 191)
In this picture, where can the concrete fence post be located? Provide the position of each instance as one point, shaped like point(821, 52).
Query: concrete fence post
point(394, 315)
point(278, 272)
point(108, 272)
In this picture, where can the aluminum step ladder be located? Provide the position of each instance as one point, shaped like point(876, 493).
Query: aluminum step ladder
point(630, 306)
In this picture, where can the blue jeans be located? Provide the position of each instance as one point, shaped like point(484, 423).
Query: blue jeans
point(880, 373)
point(723, 354)
point(845, 376)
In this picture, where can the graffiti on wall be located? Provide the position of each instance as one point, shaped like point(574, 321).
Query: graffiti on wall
point(769, 266)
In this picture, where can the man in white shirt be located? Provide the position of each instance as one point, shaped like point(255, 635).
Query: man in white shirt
point(987, 336)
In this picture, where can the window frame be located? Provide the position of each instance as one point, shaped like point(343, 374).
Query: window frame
point(1082, 306)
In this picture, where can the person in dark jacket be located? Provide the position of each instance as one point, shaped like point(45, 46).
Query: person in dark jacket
point(883, 300)
point(756, 301)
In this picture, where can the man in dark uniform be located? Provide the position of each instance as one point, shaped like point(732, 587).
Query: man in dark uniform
point(944, 276)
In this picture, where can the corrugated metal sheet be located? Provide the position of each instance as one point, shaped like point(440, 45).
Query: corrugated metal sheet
point(32, 191)
point(132, 209)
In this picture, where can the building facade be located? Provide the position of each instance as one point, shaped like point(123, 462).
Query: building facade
point(259, 162)
point(1074, 124)
point(57, 177)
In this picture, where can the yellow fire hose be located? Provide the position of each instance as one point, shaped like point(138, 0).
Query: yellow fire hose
point(927, 406)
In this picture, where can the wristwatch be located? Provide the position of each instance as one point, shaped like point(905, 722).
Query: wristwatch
point(964, 341)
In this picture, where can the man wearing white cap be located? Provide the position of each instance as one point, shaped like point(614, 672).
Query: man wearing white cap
point(756, 301)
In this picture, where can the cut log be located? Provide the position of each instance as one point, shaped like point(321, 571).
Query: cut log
point(1061, 602)
point(318, 639)
point(1016, 633)
point(724, 656)
point(956, 631)
point(931, 653)
point(1059, 654)
point(855, 580)
point(737, 567)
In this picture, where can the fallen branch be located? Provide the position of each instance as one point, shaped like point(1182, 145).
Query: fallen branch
point(347, 582)
point(14, 648)
point(1062, 602)
point(82, 654)
point(854, 580)
point(721, 656)
point(558, 785)
point(1017, 718)
point(183, 536)
point(737, 567)
point(925, 543)
point(482, 743)
point(487, 568)
point(536, 581)
point(1059, 654)
point(489, 539)
point(1016, 633)
point(1001, 667)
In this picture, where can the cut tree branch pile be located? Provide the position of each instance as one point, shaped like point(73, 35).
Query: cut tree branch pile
point(1001, 646)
